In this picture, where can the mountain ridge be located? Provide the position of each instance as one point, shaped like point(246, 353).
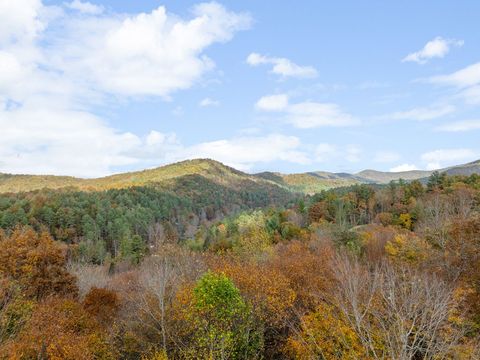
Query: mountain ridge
point(308, 182)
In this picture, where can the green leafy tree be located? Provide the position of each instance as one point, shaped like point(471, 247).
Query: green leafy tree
point(223, 321)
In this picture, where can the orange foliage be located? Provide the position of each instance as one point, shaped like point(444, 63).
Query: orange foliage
point(463, 251)
point(408, 248)
point(59, 329)
point(102, 303)
point(37, 263)
point(384, 218)
point(318, 212)
point(267, 289)
point(308, 270)
point(325, 335)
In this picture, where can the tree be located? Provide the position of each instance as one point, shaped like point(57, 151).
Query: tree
point(220, 321)
point(59, 329)
point(325, 334)
point(436, 180)
point(102, 303)
point(37, 263)
point(397, 312)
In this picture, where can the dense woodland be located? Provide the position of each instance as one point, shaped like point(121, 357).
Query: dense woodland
point(196, 270)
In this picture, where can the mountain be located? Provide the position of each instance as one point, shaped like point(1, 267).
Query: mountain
point(383, 177)
point(166, 175)
point(465, 169)
point(218, 173)
point(311, 182)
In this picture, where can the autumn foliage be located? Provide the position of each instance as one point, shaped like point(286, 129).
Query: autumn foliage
point(365, 272)
point(36, 263)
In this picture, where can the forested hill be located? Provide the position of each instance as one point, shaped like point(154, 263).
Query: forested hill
point(121, 213)
point(309, 182)
point(314, 182)
point(208, 169)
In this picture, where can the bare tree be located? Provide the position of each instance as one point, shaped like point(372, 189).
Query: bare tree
point(437, 213)
point(161, 275)
point(463, 200)
point(398, 313)
point(89, 276)
point(357, 288)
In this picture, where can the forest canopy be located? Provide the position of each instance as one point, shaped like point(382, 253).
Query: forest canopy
point(361, 272)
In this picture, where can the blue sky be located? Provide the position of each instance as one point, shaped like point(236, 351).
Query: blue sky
point(93, 88)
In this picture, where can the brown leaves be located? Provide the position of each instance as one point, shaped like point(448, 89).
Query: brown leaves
point(37, 263)
point(103, 304)
point(60, 329)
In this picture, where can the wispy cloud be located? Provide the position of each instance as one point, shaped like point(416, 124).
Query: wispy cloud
point(325, 152)
point(423, 113)
point(282, 66)
point(308, 114)
point(85, 7)
point(460, 126)
point(207, 102)
point(438, 159)
point(386, 157)
point(468, 76)
point(436, 48)
point(272, 102)
point(466, 81)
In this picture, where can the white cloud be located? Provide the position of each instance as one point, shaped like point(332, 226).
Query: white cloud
point(20, 20)
point(438, 159)
point(353, 153)
point(178, 111)
point(306, 115)
point(42, 141)
point(208, 102)
point(460, 126)
point(148, 54)
point(56, 65)
point(471, 95)
point(153, 53)
point(386, 157)
point(467, 80)
point(85, 7)
point(244, 152)
point(423, 113)
point(85, 146)
point(404, 167)
point(436, 48)
point(282, 66)
point(465, 77)
point(325, 152)
point(272, 103)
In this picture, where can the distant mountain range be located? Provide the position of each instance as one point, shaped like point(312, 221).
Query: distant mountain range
point(312, 182)
point(219, 173)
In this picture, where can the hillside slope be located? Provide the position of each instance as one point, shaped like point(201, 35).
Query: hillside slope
point(383, 177)
point(465, 169)
point(216, 172)
point(311, 182)
point(98, 214)
point(208, 169)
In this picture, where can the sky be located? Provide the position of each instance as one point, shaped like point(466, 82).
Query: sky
point(94, 88)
